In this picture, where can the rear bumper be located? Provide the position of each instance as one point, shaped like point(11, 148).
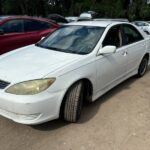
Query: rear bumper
point(31, 110)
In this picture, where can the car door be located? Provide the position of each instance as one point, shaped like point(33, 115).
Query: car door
point(111, 68)
point(31, 28)
point(135, 45)
point(12, 36)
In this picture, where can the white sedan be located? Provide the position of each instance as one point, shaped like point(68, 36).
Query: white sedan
point(78, 62)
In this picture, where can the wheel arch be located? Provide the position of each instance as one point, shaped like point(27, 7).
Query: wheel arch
point(147, 56)
point(88, 92)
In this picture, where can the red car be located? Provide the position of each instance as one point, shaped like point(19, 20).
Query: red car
point(19, 31)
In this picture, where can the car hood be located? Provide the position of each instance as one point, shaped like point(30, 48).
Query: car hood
point(33, 62)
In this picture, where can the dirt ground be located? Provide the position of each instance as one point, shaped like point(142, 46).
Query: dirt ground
point(120, 120)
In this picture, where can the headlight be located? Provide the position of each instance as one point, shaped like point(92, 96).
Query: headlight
point(30, 87)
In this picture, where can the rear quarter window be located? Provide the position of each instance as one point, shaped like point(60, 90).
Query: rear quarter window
point(131, 34)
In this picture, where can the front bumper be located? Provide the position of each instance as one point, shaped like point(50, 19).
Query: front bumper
point(33, 109)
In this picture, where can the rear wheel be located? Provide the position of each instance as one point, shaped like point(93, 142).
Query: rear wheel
point(143, 67)
point(73, 103)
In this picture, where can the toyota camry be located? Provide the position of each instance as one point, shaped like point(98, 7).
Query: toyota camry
point(78, 62)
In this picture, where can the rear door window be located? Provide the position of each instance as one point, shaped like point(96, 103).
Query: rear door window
point(33, 25)
point(131, 34)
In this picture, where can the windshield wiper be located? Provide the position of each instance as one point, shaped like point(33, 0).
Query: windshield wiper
point(77, 52)
point(60, 50)
point(42, 46)
point(47, 47)
point(39, 45)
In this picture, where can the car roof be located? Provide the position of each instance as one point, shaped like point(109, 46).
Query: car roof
point(112, 19)
point(95, 23)
point(5, 18)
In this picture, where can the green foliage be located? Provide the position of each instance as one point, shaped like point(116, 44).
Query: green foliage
point(106, 8)
point(145, 12)
point(132, 12)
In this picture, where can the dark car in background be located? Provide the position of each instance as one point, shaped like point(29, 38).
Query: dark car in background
point(57, 18)
point(19, 31)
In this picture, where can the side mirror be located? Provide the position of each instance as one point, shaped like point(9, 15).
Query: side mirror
point(107, 50)
point(42, 38)
point(1, 32)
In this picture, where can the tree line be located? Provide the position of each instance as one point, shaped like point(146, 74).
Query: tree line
point(138, 9)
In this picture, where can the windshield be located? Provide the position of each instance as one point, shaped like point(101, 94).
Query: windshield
point(73, 39)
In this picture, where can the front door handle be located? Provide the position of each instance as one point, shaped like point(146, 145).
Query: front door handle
point(125, 53)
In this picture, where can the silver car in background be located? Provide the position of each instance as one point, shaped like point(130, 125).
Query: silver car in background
point(144, 25)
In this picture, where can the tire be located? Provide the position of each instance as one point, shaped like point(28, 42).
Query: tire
point(143, 67)
point(73, 103)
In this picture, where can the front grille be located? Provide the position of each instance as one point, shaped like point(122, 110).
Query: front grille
point(3, 84)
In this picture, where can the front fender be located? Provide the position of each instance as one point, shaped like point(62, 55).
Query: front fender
point(63, 82)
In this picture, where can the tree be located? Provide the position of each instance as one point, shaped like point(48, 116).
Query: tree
point(0, 7)
point(138, 9)
point(144, 12)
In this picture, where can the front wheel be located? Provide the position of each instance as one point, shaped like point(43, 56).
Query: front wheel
point(143, 67)
point(73, 103)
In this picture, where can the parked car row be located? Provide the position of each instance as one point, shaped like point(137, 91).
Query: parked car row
point(91, 15)
point(20, 31)
point(76, 63)
point(144, 25)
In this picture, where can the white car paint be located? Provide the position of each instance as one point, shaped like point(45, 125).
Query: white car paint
point(32, 62)
point(71, 18)
point(86, 15)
